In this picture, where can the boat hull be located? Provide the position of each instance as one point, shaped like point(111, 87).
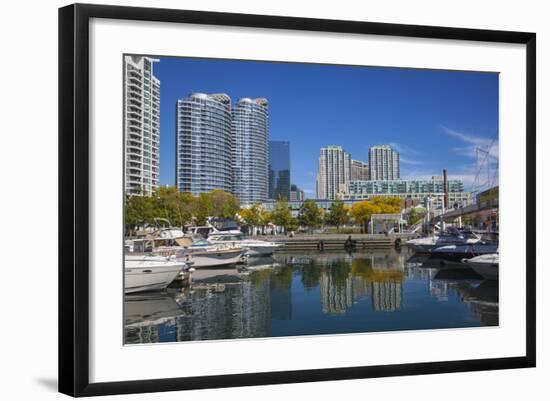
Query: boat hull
point(458, 253)
point(149, 275)
point(258, 251)
point(216, 258)
point(485, 270)
point(486, 266)
point(421, 248)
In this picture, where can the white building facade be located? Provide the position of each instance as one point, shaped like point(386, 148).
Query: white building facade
point(334, 172)
point(383, 163)
point(250, 150)
point(141, 126)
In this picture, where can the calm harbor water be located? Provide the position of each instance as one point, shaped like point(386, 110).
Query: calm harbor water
point(309, 293)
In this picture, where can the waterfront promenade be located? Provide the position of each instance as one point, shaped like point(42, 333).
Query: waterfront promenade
point(323, 241)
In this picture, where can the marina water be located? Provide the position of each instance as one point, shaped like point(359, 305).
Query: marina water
point(312, 293)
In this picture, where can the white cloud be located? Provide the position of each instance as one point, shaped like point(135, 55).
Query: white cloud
point(486, 144)
point(412, 162)
point(407, 154)
point(404, 149)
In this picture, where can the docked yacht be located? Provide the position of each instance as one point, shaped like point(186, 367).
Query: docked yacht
point(456, 253)
point(254, 247)
point(453, 237)
point(149, 272)
point(216, 226)
point(203, 253)
point(485, 265)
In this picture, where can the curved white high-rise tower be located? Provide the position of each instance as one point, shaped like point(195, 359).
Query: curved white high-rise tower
point(250, 152)
point(204, 143)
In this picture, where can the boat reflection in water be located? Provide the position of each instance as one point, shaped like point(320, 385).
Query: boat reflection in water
point(308, 293)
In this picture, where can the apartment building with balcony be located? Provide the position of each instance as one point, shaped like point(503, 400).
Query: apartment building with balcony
point(250, 150)
point(383, 163)
point(204, 143)
point(334, 172)
point(141, 126)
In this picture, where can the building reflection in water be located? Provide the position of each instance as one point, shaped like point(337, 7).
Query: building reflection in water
point(311, 293)
point(481, 296)
point(346, 281)
point(209, 312)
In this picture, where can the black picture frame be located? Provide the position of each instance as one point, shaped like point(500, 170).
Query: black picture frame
point(74, 198)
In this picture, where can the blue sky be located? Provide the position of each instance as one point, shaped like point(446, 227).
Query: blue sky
point(435, 119)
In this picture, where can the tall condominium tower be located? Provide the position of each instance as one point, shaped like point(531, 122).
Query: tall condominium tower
point(383, 163)
point(359, 170)
point(279, 170)
point(250, 150)
point(141, 126)
point(334, 172)
point(204, 143)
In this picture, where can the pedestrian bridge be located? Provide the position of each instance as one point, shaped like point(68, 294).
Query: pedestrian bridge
point(452, 214)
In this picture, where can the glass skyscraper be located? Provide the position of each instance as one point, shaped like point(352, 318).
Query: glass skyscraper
point(204, 143)
point(279, 170)
point(250, 137)
point(141, 126)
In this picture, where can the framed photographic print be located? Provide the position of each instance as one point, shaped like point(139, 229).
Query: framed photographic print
point(250, 199)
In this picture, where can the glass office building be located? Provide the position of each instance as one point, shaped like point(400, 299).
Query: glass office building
point(204, 143)
point(141, 126)
point(279, 170)
point(250, 150)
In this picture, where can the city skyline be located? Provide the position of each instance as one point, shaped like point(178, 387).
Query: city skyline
point(312, 105)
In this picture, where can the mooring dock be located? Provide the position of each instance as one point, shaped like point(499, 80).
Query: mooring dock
point(337, 241)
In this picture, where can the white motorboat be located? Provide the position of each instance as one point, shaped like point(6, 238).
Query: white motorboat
point(203, 253)
point(428, 244)
point(457, 253)
point(254, 247)
point(148, 272)
point(485, 265)
point(190, 249)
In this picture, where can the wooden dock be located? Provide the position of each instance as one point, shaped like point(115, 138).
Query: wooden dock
point(337, 241)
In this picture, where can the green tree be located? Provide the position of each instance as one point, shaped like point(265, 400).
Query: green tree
point(173, 205)
point(338, 214)
point(310, 215)
point(265, 218)
point(415, 215)
point(281, 215)
point(224, 204)
point(292, 225)
point(138, 212)
point(203, 208)
point(362, 212)
point(252, 216)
